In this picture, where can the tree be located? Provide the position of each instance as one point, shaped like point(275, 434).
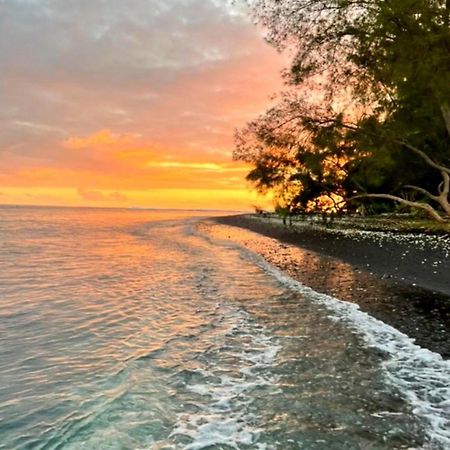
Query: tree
point(371, 81)
point(283, 149)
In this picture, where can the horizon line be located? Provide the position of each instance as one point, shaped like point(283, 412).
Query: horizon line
point(131, 208)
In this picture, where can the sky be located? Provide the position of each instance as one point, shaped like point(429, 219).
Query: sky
point(129, 103)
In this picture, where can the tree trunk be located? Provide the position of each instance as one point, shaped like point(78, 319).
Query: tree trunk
point(443, 197)
point(444, 192)
point(445, 108)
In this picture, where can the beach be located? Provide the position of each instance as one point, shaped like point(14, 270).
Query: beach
point(399, 279)
point(166, 329)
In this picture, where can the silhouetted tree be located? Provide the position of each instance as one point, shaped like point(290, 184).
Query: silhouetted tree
point(370, 96)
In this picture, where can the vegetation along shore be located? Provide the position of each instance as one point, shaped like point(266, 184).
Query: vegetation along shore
point(363, 123)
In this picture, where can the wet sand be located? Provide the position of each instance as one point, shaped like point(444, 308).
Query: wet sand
point(388, 280)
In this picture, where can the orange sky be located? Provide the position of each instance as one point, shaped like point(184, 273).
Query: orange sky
point(129, 103)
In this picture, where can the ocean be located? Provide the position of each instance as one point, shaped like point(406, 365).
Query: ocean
point(133, 329)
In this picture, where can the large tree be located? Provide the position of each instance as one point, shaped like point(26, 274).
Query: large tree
point(371, 82)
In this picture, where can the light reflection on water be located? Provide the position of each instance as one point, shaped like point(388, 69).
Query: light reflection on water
point(128, 330)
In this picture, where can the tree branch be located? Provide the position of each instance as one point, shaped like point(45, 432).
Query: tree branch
point(423, 155)
point(446, 187)
point(422, 191)
point(428, 208)
point(446, 115)
point(405, 144)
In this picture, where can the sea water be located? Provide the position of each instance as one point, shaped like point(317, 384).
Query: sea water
point(124, 329)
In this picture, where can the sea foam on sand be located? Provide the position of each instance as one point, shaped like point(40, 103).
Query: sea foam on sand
point(420, 375)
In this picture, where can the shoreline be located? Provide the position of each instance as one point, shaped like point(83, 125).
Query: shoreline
point(403, 282)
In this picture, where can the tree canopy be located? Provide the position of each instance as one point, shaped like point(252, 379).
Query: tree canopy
point(366, 110)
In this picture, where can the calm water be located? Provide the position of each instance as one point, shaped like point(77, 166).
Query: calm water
point(133, 330)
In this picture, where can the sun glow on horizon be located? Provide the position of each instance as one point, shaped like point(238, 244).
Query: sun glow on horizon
point(223, 200)
point(90, 124)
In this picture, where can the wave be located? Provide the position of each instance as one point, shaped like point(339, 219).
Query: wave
point(421, 376)
point(225, 419)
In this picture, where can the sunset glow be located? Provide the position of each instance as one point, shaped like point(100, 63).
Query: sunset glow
point(108, 104)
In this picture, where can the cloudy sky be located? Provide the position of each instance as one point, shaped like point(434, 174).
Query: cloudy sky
point(128, 103)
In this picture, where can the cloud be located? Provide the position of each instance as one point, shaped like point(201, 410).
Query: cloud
point(121, 94)
point(202, 166)
point(97, 196)
point(100, 138)
point(111, 161)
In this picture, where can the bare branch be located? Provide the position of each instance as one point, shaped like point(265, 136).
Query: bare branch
point(445, 109)
point(426, 207)
point(446, 186)
point(422, 191)
point(423, 155)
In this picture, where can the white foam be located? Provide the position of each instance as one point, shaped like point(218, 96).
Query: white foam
point(420, 375)
point(207, 430)
point(225, 419)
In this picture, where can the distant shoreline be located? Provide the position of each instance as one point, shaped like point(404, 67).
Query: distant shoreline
point(402, 280)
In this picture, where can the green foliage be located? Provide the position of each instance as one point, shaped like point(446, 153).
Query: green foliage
point(369, 80)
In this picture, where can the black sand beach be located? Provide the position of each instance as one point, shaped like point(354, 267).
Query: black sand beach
point(402, 280)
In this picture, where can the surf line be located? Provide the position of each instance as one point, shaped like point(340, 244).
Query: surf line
point(420, 375)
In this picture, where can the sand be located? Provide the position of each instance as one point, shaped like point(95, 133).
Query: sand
point(402, 280)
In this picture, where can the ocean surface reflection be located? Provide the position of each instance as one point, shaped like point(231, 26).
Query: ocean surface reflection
point(133, 330)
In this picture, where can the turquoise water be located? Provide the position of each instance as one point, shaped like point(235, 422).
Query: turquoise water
point(134, 330)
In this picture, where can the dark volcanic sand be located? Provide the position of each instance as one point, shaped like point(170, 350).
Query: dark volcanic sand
point(390, 281)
